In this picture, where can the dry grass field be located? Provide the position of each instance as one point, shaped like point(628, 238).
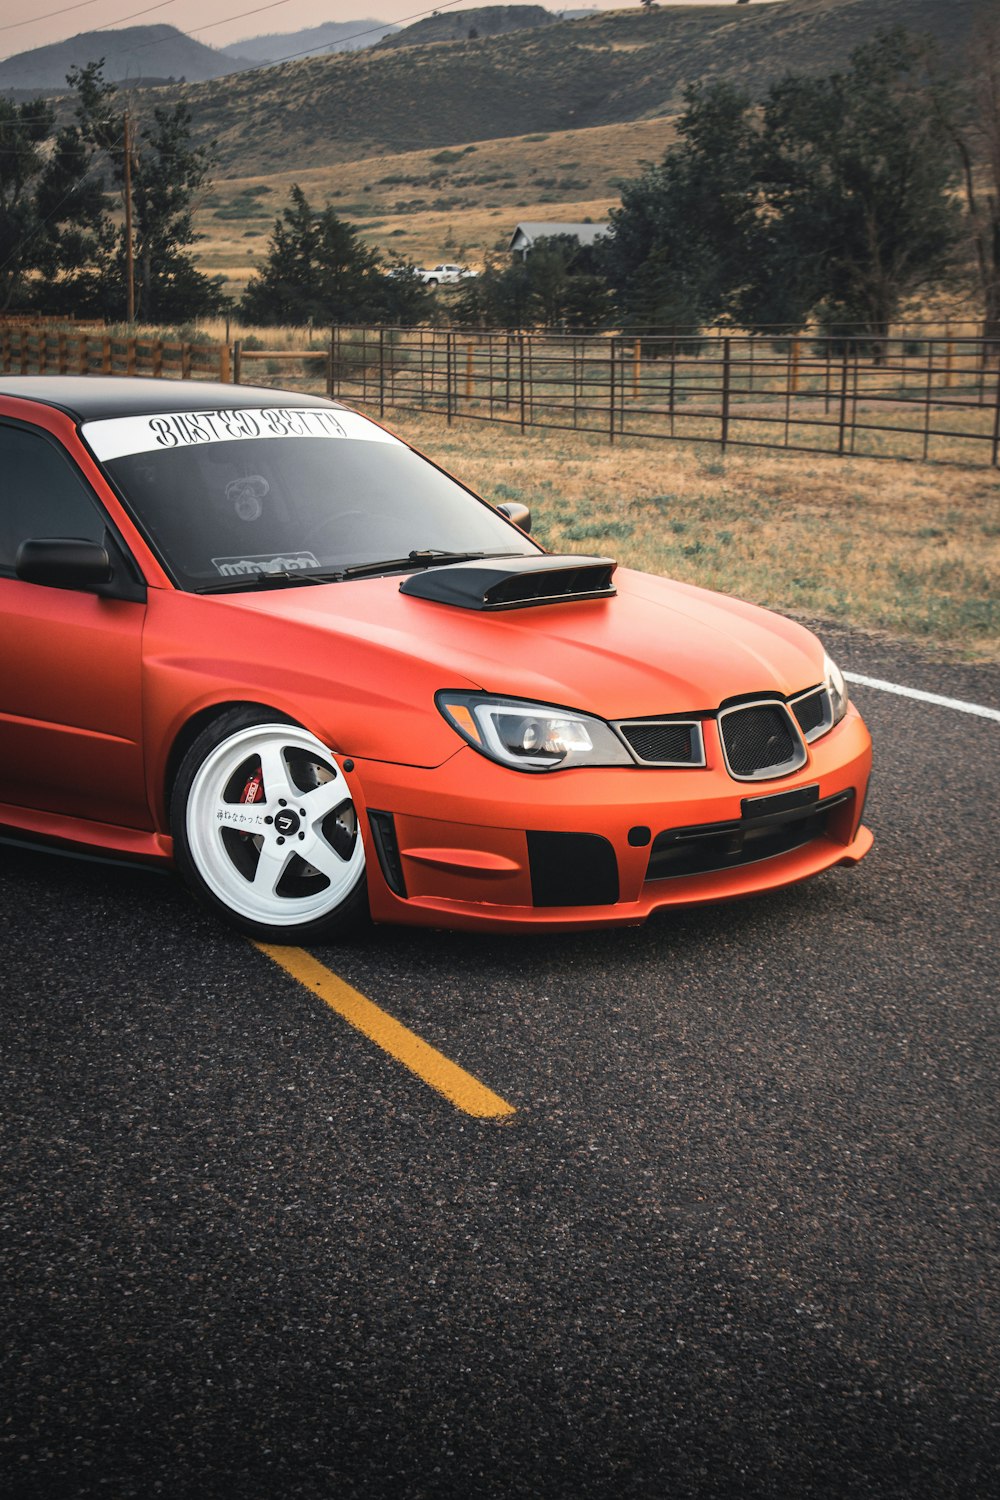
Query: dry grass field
point(905, 548)
point(459, 203)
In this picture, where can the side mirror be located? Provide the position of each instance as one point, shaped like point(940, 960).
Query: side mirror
point(63, 563)
point(516, 512)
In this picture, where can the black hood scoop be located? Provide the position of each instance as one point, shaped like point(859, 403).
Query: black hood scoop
point(514, 582)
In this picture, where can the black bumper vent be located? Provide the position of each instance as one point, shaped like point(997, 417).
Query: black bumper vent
point(726, 846)
point(572, 869)
point(759, 740)
point(383, 827)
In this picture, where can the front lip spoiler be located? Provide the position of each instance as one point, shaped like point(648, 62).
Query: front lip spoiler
point(705, 890)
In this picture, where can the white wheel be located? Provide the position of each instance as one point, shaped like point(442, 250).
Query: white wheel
point(265, 827)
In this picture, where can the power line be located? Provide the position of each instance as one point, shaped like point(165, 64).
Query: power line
point(81, 6)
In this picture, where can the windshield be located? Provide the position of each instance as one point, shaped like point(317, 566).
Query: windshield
point(287, 493)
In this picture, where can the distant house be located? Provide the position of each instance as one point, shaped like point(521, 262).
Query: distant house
point(525, 235)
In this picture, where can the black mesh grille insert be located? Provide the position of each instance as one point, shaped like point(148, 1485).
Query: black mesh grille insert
point(759, 738)
point(811, 711)
point(678, 744)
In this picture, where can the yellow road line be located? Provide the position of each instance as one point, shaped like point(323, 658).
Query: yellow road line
point(464, 1091)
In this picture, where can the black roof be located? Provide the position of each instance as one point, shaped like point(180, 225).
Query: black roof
point(88, 397)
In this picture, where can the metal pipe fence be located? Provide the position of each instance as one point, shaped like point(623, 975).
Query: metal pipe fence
point(929, 398)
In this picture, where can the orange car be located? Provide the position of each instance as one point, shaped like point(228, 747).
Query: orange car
point(253, 633)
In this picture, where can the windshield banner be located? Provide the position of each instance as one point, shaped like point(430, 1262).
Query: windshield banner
point(118, 437)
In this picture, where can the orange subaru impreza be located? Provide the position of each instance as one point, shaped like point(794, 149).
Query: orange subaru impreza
point(252, 633)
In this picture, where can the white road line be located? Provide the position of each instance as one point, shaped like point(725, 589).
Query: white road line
point(908, 692)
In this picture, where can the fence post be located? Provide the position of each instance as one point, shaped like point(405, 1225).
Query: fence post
point(842, 421)
point(611, 393)
point(726, 378)
point(237, 361)
point(381, 370)
point(928, 394)
point(520, 357)
point(448, 351)
point(225, 364)
point(996, 422)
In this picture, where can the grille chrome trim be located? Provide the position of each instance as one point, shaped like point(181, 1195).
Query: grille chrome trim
point(779, 768)
point(695, 761)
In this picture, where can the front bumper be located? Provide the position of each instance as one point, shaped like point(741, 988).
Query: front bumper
point(473, 845)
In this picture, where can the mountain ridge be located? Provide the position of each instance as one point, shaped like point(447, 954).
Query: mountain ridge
point(610, 68)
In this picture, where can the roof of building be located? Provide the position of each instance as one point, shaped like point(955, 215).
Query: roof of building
point(530, 230)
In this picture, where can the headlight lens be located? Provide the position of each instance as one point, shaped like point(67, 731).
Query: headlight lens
point(531, 736)
point(833, 679)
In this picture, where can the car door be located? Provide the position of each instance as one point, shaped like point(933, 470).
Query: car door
point(70, 660)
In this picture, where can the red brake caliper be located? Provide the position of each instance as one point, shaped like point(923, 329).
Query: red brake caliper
point(253, 791)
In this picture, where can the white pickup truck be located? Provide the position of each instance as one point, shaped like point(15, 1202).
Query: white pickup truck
point(444, 275)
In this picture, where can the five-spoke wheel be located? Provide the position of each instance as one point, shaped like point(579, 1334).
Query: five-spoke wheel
point(265, 827)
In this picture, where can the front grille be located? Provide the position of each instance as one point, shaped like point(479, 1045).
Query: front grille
point(664, 742)
point(760, 740)
point(813, 712)
point(726, 846)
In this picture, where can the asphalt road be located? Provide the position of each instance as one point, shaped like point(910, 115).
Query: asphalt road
point(740, 1237)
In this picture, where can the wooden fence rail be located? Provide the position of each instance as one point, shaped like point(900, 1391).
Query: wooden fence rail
point(32, 349)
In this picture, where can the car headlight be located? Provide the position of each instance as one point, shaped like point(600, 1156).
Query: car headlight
point(833, 681)
point(531, 736)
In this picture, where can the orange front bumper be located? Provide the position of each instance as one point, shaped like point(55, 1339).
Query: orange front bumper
point(467, 836)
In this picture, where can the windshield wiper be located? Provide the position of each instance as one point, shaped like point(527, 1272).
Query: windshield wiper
point(268, 580)
point(428, 557)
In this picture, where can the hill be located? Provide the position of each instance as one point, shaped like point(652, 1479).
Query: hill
point(611, 68)
point(468, 25)
point(332, 36)
point(150, 53)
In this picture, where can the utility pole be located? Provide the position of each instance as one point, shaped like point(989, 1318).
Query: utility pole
point(129, 259)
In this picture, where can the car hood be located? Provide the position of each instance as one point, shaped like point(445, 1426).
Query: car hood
point(656, 647)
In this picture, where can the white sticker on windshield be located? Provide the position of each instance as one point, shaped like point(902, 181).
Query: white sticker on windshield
point(116, 437)
point(265, 563)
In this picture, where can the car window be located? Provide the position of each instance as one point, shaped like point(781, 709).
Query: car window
point(237, 493)
point(41, 495)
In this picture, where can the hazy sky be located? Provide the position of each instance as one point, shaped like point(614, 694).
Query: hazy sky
point(217, 23)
